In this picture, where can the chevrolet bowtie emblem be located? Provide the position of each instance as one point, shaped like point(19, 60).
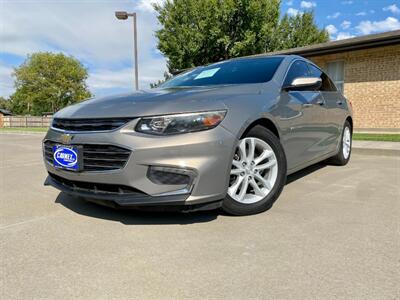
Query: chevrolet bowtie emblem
point(66, 138)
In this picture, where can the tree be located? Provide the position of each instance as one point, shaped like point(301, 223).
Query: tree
point(198, 32)
point(47, 82)
point(159, 82)
point(4, 103)
point(298, 31)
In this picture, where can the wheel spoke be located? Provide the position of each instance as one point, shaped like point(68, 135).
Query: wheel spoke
point(266, 183)
point(265, 154)
point(237, 164)
point(252, 148)
point(236, 171)
point(233, 189)
point(242, 149)
point(267, 165)
point(243, 188)
point(256, 188)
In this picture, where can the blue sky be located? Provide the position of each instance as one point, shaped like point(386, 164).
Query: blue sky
point(349, 18)
point(88, 30)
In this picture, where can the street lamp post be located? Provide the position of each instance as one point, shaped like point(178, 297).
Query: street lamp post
point(123, 15)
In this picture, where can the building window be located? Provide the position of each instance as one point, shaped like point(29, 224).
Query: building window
point(335, 71)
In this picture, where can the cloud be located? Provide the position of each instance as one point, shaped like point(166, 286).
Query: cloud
point(307, 4)
point(345, 24)
point(107, 79)
point(292, 11)
point(123, 78)
point(344, 35)
point(361, 13)
point(331, 29)
point(147, 5)
point(392, 8)
point(334, 16)
point(368, 27)
point(289, 3)
point(347, 2)
point(85, 29)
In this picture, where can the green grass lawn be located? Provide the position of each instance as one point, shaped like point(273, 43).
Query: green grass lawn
point(376, 137)
point(24, 129)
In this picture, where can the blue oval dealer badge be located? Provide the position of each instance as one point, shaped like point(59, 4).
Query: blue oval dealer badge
point(66, 157)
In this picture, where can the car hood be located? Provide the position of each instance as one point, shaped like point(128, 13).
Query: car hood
point(157, 102)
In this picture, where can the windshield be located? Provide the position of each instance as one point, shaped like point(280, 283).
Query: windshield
point(245, 70)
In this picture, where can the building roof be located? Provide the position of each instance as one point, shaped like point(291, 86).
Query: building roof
point(357, 43)
point(5, 112)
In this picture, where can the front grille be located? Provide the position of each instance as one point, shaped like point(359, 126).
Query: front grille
point(95, 157)
point(89, 124)
point(96, 188)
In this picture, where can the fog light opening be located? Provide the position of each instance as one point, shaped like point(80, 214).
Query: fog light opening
point(171, 176)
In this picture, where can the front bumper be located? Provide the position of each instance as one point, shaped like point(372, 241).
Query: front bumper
point(207, 154)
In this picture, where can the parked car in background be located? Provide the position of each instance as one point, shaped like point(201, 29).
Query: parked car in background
point(223, 135)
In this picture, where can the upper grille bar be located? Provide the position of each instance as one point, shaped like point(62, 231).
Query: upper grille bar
point(105, 124)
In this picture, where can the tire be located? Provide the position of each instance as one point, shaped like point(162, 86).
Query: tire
point(343, 156)
point(257, 180)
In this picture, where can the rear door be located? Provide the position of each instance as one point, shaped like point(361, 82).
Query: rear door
point(302, 119)
point(334, 103)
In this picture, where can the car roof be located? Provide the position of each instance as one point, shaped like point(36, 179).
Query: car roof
point(288, 58)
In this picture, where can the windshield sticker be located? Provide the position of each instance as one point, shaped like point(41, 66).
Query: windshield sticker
point(207, 73)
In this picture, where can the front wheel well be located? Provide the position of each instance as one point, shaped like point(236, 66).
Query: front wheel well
point(265, 123)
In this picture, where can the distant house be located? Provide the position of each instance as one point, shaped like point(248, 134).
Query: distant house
point(5, 112)
point(367, 70)
point(47, 114)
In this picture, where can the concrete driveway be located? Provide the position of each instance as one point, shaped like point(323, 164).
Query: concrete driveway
point(334, 233)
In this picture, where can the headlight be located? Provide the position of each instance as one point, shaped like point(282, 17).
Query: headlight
point(180, 123)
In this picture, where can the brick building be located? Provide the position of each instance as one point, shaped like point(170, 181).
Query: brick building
point(367, 70)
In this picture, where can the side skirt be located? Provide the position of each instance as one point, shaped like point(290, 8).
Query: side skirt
point(312, 162)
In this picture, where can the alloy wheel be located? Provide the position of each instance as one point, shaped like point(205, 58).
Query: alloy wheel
point(346, 142)
point(254, 171)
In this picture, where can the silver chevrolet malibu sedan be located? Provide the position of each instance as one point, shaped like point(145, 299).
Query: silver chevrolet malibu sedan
point(225, 135)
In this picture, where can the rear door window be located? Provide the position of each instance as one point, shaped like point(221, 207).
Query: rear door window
point(327, 84)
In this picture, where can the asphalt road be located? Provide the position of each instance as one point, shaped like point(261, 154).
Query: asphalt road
point(334, 233)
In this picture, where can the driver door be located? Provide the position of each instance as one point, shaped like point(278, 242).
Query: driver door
point(302, 117)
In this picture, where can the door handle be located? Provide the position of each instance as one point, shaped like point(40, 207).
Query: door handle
point(307, 104)
point(339, 102)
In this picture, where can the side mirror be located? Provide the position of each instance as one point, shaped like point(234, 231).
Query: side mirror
point(305, 83)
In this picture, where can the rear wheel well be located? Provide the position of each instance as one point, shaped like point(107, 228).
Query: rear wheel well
point(265, 123)
point(350, 120)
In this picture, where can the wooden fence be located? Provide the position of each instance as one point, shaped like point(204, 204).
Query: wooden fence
point(24, 121)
